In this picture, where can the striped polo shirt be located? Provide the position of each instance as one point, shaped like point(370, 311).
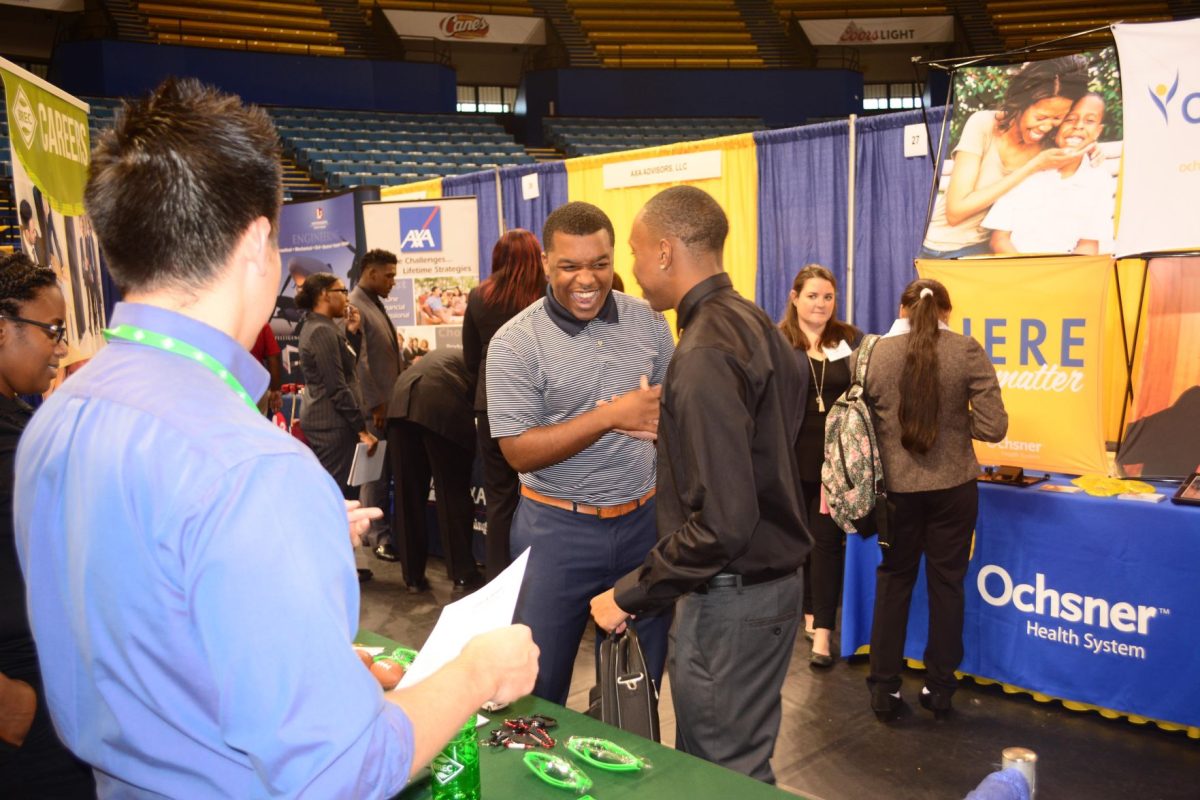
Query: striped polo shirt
point(544, 367)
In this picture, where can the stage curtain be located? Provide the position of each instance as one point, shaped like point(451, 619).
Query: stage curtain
point(531, 214)
point(802, 207)
point(736, 190)
point(891, 199)
point(421, 190)
point(481, 186)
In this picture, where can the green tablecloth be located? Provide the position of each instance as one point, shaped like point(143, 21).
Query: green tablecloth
point(673, 774)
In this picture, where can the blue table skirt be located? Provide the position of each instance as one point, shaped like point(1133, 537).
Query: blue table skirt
point(1084, 599)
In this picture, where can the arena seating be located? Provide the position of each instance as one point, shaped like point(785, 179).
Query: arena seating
point(350, 148)
point(1024, 22)
point(585, 136)
point(511, 7)
point(295, 26)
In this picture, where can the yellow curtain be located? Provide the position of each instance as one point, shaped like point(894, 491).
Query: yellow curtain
point(420, 190)
point(736, 190)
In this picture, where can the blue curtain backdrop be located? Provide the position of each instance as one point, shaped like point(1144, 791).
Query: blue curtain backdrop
point(891, 200)
point(531, 214)
point(802, 207)
point(482, 185)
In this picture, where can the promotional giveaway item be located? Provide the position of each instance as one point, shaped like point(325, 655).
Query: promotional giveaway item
point(624, 694)
point(456, 769)
point(557, 771)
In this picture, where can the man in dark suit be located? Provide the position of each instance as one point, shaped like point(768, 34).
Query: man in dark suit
point(379, 364)
point(431, 431)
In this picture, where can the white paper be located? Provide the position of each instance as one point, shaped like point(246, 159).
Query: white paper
point(529, 186)
point(481, 611)
point(366, 468)
point(916, 141)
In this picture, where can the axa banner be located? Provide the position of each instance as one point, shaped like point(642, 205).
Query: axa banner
point(463, 27)
point(1160, 79)
point(878, 30)
point(1040, 320)
point(1084, 599)
point(51, 149)
point(436, 243)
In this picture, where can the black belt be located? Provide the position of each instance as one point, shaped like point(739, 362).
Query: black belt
point(726, 580)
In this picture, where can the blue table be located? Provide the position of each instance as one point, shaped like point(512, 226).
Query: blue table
point(1093, 601)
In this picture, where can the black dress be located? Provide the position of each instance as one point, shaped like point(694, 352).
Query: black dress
point(823, 570)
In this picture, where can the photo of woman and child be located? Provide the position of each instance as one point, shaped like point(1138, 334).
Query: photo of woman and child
point(439, 304)
point(1033, 165)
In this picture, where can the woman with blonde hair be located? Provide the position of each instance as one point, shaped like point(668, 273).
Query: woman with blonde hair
point(822, 342)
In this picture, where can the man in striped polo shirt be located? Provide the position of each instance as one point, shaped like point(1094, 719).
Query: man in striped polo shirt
point(573, 397)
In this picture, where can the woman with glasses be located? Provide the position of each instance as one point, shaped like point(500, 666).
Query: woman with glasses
point(33, 763)
point(331, 416)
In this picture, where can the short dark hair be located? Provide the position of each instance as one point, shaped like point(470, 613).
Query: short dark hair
point(378, 258)
point(26, 212)
point(689, 214)
point(176, 182)
point(576, 219)
point(20, 280)
point(306, 295)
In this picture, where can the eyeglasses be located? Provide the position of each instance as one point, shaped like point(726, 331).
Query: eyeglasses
point(55, 332)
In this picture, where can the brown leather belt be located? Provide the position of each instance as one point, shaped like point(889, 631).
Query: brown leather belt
point(603, 512)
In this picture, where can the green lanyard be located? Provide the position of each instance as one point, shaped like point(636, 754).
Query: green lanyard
point(132, 333)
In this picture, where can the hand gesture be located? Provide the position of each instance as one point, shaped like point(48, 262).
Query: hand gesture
point(360, 519)
point(353, 318)
point(635, 413)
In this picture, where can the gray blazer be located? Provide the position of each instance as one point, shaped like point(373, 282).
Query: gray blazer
point(379, 361)
point(969, 407)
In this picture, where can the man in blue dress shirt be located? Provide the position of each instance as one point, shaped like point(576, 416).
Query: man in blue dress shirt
point(191, 580)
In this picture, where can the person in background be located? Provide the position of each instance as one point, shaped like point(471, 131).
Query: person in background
point(731, 532)
point(266, 351)
point(331, 416)
point(431, 433)
point(33, 762)
point(569, 397)
point(931, 392)
point(823, 343)
point(516, 281)
point(379, 365)
point(190, 566)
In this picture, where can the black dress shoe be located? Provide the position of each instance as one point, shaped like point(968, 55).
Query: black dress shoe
point(887, 707)
point(365, 575)
point(820, 660)
point(938, 704)
point(385, 552)
point(469, 583)
point(417, 586)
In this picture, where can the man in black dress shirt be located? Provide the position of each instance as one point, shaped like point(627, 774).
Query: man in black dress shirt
point(731, 531)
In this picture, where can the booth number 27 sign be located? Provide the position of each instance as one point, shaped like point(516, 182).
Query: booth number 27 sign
point(916, 142)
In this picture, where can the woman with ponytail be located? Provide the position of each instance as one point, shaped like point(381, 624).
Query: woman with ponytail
point(931, 392)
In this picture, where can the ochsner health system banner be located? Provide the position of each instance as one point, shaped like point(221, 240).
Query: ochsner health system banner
point(436, 243)
point(1160, 79)
point(1040, 322)
point(48, 129)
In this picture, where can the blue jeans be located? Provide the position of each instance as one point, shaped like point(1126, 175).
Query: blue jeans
point(983, 248)
point(573, 558)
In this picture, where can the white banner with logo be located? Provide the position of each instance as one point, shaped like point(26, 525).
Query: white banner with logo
point(436, 243)
point(878, 30)
point(1160, 81)
point(666, 169)
point(485, 28)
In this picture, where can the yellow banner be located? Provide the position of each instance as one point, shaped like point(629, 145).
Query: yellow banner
point(1041, 321)
point(736, 189)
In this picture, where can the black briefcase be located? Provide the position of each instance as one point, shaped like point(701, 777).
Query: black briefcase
point(624, 694)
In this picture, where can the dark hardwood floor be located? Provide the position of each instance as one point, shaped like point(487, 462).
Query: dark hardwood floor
point(831, 746)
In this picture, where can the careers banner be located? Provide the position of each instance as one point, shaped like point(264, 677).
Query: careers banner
point(1041, 322)
point(1160, 79)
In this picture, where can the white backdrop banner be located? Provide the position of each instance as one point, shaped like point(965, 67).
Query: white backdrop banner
point(436, 243)
point(1160, 82)
point(878, 30)
point(483, 28)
